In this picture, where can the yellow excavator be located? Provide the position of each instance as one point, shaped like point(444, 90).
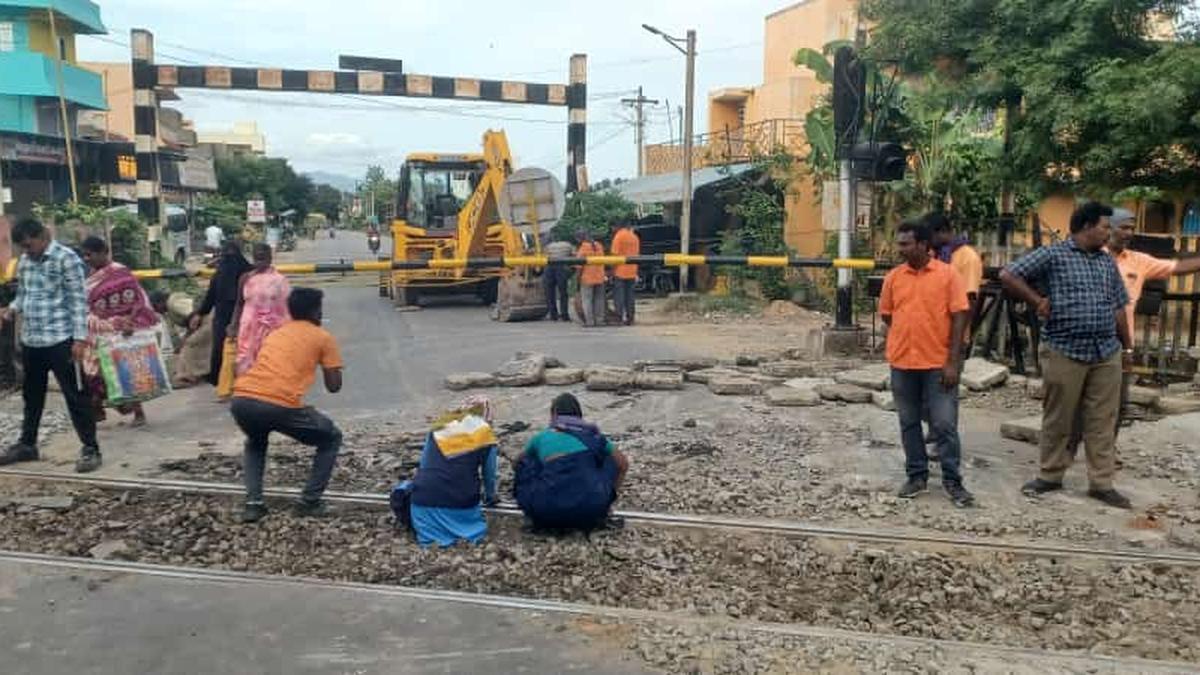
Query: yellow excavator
point(472, 206)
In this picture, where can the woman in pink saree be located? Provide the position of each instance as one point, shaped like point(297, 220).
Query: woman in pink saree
point(262, 307)
point(117, 304)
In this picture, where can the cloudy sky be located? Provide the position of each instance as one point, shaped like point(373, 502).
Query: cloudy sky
point(529, 40)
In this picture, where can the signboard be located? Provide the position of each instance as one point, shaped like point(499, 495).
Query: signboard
point(256, 211)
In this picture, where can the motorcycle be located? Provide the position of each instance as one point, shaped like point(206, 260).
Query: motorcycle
point(373, 242)
point(332, 233)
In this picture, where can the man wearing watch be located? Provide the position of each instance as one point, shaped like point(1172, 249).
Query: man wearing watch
point(1085, 327)
point(52, 304)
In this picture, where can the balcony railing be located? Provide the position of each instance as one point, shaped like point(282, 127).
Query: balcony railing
point(730, 146)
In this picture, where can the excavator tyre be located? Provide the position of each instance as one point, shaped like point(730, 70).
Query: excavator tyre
point(520, 297)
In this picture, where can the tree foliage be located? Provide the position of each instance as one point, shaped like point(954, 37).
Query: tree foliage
point(327, 200)
point(1099, 102)
point(593, 212)
point(244, 177)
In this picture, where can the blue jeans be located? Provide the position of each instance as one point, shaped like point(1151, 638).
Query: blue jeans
point(915, 391)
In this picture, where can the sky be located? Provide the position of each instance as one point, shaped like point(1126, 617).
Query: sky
point(530, 40)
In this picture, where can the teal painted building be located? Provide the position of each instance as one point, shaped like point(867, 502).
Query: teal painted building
point(29, 82)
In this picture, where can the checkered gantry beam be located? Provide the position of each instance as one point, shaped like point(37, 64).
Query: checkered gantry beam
point(147, 77)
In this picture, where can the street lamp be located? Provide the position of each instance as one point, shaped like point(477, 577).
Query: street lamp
point(685, 218)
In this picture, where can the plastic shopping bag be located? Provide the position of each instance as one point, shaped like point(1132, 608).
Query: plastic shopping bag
point(133, 368)
point(228, 361)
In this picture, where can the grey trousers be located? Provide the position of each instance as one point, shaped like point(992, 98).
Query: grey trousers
point(594, 305)
point(257, 419)
point(624, 300)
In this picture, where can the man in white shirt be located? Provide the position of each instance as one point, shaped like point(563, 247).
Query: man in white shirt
point(214, 236)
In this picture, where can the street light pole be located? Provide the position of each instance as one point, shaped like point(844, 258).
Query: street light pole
point(685, 218)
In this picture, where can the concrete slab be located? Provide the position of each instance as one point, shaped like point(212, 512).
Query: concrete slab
point(1027, 429)
point(76, 621)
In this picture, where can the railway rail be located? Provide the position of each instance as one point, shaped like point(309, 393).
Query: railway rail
point(761, 526)
point(1044, 658)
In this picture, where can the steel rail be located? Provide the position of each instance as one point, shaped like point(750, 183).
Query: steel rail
point(701, 522)
point(808, 631)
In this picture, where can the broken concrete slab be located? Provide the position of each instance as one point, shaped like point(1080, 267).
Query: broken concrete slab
point(610, 378)
point(112, 549)
point(1036, 388)
point(789, 397)
point(1177, 405)
point(50, 502)
point(1144, 396)
point(1026, 429)
point(807, 382)
point(748, 359)
point(884, 400)
point(876, 376)
point(728, 385)
point(687, 365)
point(982, 375)
point(703, 375)
point(659, 381)
point(562, 377)
point(786, 369)
point(522, 372)
point(844, 392)
point(461, 381)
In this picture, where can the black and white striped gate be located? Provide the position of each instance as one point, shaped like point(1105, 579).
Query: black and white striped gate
point(147, 77)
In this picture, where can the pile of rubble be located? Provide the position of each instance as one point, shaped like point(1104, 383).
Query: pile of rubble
point(785, 379)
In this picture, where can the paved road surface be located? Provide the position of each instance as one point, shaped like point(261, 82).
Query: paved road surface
point(74, 621)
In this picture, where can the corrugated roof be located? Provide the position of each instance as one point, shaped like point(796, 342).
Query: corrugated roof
point(667, 188)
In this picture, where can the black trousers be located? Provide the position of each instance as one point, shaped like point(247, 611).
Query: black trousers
point(558, 303)
point(39, 363)
point(257, 419)
point(222, 317)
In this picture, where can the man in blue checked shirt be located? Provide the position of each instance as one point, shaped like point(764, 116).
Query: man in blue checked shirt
point(52, 303)
point(1086, 339)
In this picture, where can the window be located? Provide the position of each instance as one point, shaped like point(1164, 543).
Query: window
point(7, 42)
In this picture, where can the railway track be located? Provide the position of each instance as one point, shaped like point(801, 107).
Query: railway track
point(702, 522)
point(1040, 658)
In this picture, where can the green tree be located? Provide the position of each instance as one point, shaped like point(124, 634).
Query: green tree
point(593, 212)
point(328, 200)
point(244, 177)
point(1092, 100)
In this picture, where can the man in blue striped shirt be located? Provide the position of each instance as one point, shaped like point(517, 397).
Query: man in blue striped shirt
point(52, 303)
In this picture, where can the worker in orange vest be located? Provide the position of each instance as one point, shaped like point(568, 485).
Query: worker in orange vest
point(591, 281)
point(625, 243)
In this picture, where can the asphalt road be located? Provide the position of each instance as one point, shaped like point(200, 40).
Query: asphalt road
point(399, 359)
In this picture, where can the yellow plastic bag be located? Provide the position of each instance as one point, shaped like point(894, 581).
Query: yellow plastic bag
point(225, 377)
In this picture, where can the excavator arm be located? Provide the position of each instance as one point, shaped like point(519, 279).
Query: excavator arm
point(482, 210)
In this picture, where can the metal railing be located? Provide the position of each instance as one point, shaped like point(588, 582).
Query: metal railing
point(731, 146)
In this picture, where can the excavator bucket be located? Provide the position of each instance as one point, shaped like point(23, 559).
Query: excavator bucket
point(520, 297)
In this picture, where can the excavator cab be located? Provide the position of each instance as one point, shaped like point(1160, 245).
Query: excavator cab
point(434, 188)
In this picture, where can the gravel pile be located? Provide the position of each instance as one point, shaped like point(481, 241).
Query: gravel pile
point(1149, 611)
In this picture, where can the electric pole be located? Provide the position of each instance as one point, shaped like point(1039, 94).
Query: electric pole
point(637, 104)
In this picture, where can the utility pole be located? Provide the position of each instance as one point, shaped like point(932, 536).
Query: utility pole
point(685, 219)
point(637, 104)
point(62, 106)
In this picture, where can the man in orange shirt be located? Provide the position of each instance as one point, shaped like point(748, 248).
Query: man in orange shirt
point(626, 243)
point(591, 281)
point(270, 397)
point(1137, 268)
point(926, 310)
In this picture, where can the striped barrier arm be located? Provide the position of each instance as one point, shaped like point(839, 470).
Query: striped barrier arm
point(667, 260)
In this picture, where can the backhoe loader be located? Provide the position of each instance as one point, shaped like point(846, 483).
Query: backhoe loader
point(472, 206)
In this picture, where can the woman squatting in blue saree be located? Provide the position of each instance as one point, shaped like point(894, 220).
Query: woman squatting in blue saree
point(569, 474)
point(441, 504)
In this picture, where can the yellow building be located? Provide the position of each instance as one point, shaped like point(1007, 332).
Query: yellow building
point(746, 120)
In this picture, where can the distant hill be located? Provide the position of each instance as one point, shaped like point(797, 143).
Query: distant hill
point(343, 183)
